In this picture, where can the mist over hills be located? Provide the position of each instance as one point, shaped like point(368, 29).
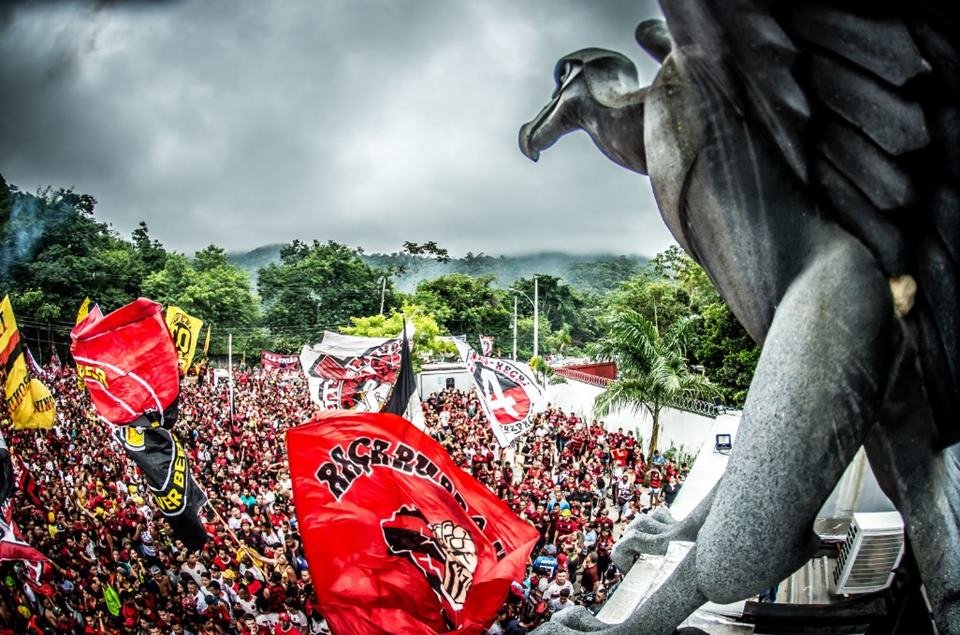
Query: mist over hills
point(591, 272)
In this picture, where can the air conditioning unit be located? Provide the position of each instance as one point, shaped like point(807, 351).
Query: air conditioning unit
point(871, 552)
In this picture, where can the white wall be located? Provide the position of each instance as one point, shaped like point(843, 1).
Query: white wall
point(435, 381)
point(677, 427)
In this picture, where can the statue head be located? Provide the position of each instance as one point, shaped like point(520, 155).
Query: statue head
point(597, 91)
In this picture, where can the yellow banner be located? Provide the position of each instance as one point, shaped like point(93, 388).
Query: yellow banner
point(83, 310)
point(82, 313)
point(29, 403)
point(201, 363)
point(185, 330)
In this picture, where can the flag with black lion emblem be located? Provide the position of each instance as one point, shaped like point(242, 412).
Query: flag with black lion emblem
point(407, 541)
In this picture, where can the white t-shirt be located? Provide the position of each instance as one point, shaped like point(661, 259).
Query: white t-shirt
point(553, 591)
point(194, 571)
point(247, 606)
point(235, 522)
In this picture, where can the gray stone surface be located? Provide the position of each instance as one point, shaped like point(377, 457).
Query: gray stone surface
point(818, 197)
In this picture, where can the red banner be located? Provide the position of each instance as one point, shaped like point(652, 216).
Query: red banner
point(124, 359)
point(407, 542)
point(276, 360)
point(130, 366)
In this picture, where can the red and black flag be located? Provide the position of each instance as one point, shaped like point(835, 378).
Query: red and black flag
point(130, 367)
point(352, 372)
point(26, 483)
point(509, 393)
point(408, 542)
point(12, 544)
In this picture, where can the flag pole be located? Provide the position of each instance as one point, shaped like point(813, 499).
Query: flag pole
point(514, 327)
point(236, 538)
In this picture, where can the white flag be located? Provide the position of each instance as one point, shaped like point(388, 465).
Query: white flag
point(351, 372)
point(509, 393)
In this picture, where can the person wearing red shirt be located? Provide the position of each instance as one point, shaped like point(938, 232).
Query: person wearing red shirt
point(656, 480)
point(250, 627)
point(567, 524)
point(285, 627)
point(670, 470)
point(619, 455)
point(630, 443)
point(603, 548)
point(615, 438)
point(604, 522)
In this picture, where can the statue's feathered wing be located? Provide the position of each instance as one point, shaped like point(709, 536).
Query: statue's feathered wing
point(863, 101)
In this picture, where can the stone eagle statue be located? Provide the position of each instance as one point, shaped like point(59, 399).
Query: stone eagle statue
point(807, 155)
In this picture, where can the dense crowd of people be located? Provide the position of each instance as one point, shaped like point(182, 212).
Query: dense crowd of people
point(576, 482)
point(116, 569)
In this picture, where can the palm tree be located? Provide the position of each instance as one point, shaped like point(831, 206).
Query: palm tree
point(652, 368)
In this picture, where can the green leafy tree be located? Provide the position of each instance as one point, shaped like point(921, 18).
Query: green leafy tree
point(429, 249)
point(727, 353)
point(652, 370)
point(559, 342)
point(525, 339)
point(428, 343)
point(166, 285)
point(475, 264)
point(603, 275)
point(151, 253)
point(51, 242)
point(209, 258)
point(563, 307)
point(214, 290)
point(466, 305)
point(670, 286)
point(659, 300)
point(316, 287)
point(545, 373)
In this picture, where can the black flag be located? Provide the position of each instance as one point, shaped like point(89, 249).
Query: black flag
point(406, 384)
point(165, 466)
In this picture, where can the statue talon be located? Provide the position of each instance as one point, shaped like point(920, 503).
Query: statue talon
point(648, 535)
point(662, 515)
point(647, 524)
point(634, 544)
point(572, 621)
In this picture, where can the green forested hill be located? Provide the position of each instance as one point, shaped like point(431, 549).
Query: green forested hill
point(594, 272)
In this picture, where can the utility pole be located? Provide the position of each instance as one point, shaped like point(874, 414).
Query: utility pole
point(536, 317)
point(230, 371)
point(514, 327)
point(383, 293)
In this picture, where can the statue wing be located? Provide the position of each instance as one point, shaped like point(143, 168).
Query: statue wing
point(863, 100)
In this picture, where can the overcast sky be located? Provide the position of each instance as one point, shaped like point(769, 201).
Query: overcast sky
point(369, 122)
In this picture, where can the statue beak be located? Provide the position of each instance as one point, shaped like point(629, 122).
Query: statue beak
point(546, 128)
point(528, 140)
point(525, 145)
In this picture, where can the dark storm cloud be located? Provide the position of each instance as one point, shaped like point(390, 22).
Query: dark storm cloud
point(368, 122)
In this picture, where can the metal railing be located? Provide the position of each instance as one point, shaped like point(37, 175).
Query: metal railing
point(586, 378)
point(696, 406)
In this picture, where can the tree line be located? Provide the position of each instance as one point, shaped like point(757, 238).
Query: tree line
point(54, 252)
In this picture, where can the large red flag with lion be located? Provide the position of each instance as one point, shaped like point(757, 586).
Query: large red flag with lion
point(407, 541)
